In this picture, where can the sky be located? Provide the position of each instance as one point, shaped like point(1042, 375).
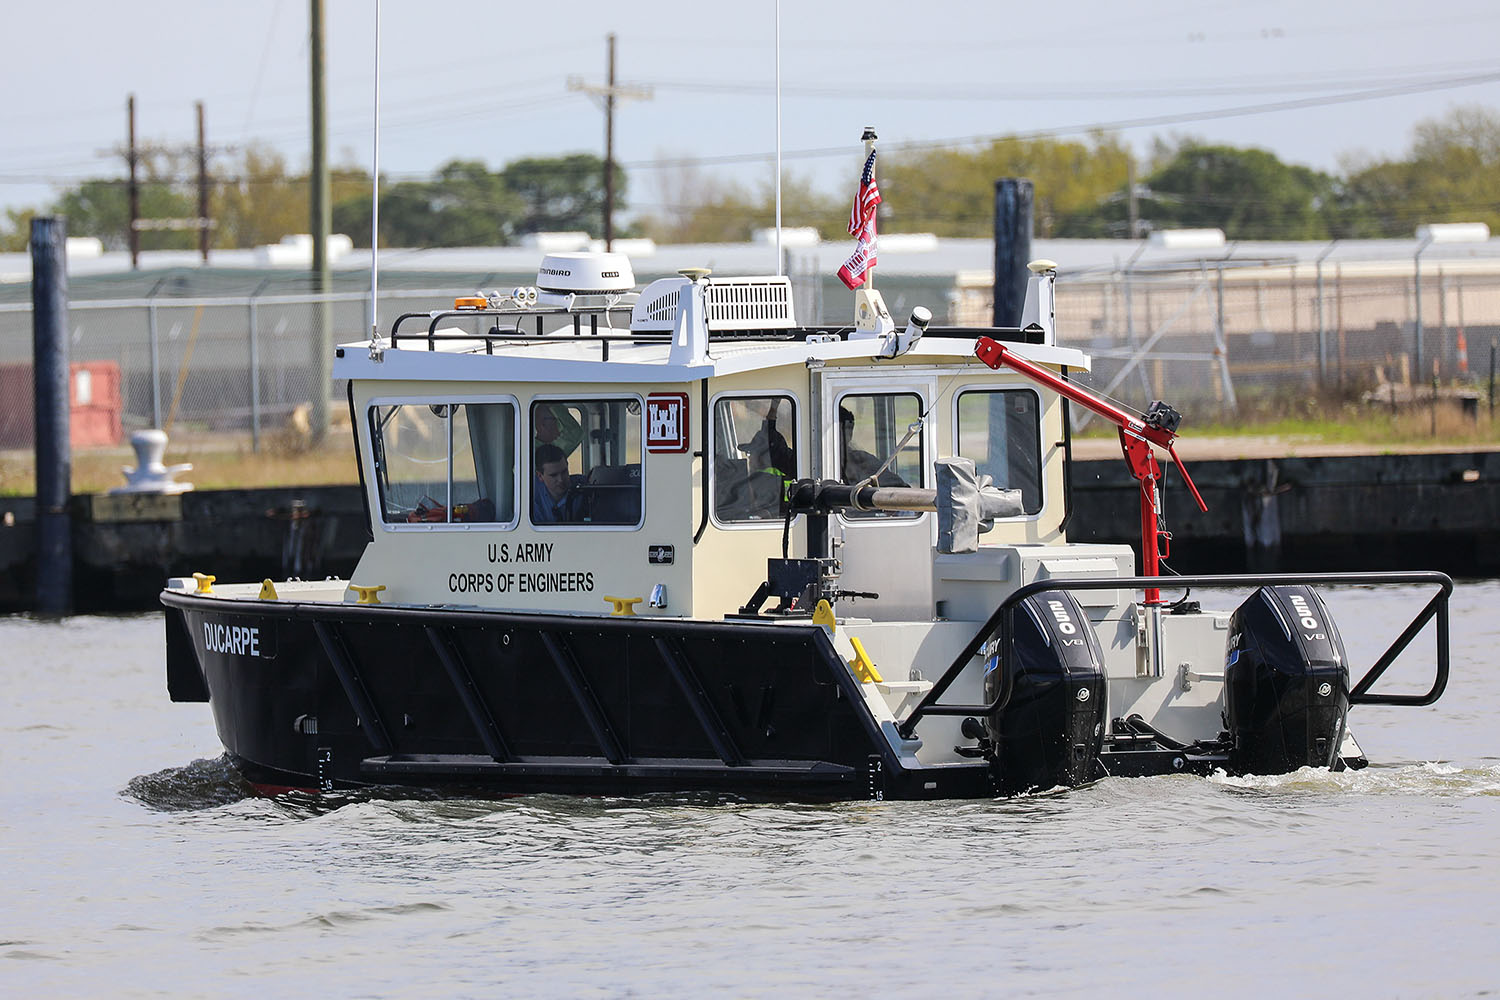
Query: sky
point(1314, 81)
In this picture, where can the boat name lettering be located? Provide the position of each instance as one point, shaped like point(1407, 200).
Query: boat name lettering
point(523, 583)
point(524, 552)
point(241, 640)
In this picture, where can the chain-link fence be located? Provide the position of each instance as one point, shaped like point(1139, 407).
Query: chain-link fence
point(1221, 336)
point(231, 367)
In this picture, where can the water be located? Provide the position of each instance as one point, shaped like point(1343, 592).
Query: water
point(135, 864)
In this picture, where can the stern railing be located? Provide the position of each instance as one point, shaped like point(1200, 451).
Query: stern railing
point(1001, 621)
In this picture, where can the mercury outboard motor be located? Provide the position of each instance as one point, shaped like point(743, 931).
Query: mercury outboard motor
point(1050, 731)
point(1286, 683)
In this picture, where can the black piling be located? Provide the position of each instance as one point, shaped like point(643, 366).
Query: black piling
point(1013, 198)
point(54, 459)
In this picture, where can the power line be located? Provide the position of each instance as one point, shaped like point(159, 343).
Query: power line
point(1175, 89)
point(1179, 118)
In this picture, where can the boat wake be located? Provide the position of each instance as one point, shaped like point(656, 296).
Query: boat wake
point(1430, 779)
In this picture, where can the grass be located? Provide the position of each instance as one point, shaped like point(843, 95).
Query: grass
point(1334, 421)
point(216, 465)
point(227, 462)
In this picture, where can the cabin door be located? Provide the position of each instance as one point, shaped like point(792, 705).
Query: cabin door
point(867, 421)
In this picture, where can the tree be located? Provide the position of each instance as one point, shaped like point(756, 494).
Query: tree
point(1455, 162)
point(258, 201)
point(951, 193)
point(1248, 193)
point(467, 204)
point(463, 205)
point(16, 231)
point(701, 209)
point(562, 193)
point(101, 207)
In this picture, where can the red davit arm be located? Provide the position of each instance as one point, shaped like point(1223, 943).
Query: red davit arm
point(1136, 438)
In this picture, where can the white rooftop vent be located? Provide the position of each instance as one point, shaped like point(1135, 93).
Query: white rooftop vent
point(556, 242)
point(760, 303)
point(1187, 239)
point(1454, 232)
point(585, 273)
point(908, 242)
point(629, 246)
point(791, 236)
point(296, 250)
point(79, 247)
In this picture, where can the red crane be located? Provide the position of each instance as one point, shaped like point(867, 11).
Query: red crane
point(1137, 434)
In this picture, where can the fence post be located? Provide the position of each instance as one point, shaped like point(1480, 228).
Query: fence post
point(54, 459)
point(1492, 380)
point(155, 357)
point(255, 369)
point(1322, 321)
point(1441, 354)
point(1221, 344)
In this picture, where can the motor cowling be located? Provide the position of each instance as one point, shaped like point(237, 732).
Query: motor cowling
point(1049, 732)
point(1286, 682)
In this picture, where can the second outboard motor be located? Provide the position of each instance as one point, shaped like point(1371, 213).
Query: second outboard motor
point(1050, 731)
point(1286, 683)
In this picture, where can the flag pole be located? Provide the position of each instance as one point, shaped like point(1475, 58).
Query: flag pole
point(869, 140)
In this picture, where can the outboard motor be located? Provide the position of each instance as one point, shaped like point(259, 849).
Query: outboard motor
point(1286, 683)
point(1050, 731)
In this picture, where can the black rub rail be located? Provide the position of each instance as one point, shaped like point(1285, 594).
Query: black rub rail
point(1002, 620)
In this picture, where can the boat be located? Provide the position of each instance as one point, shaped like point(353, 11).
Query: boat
point(670, 540)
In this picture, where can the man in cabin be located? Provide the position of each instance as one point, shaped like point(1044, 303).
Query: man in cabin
point(551, 423)
point(772, 466)
point(553, 499)
point(858, 464)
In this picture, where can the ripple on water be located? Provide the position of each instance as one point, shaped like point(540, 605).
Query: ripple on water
point(330, 920)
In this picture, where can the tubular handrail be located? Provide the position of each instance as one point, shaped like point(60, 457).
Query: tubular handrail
point(1359, 694)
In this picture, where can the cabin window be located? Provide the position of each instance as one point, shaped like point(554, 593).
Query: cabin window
point(1001, 431)
point(754, 457)
point(585, 461)
point(873, 428)
point(445, 463)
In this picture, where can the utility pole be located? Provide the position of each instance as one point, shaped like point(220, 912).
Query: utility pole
point(131, 159)
point(609, 92)
point(322, 220)
point(202, 189)
point(200, 222)
point(1132, 210)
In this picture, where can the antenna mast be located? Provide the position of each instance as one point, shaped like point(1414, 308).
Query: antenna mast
point(375, 348)
point(778, 139)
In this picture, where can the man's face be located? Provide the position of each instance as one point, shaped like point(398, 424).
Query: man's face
point(554, 476)
point(545, 425)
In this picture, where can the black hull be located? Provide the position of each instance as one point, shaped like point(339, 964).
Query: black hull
point(325, 697)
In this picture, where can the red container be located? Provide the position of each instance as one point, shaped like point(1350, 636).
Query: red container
point(95, 405)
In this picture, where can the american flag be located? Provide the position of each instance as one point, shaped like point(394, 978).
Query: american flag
point(862, 227)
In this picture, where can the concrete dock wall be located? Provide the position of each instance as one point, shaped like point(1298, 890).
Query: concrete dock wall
point(1374, 512)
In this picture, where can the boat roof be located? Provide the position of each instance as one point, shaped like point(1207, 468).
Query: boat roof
point(562, 357)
